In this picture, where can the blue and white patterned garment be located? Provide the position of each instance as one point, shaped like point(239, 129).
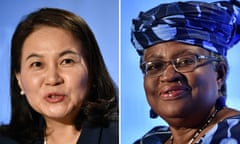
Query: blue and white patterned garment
point(213, 26)
point(226, 131)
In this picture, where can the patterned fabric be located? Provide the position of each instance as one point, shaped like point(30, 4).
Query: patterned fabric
point(225, 132)
point(212, 26)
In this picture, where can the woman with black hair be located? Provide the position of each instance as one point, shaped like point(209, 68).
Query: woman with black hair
point(61, 91)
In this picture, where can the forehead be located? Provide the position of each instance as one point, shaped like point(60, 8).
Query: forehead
point(172, 49)
point(47, 38)
point(46, 32)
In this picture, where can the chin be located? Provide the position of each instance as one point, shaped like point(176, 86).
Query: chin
point(57, 114)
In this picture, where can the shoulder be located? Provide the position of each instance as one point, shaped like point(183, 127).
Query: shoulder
point(5, 140)
point(110, 134)
point(100, 135)
point(231, 124)
point(227, 130)
point(158, 134)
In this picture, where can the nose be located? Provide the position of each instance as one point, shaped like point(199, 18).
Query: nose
point(53, 77)
point(169, 74)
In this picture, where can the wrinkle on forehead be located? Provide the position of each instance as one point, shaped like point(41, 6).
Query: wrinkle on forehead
point(169, 50)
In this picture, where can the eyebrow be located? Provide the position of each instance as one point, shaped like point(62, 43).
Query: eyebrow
point(180, 53)
point(34, 55)
point(60, 55)
point(187, 51)
point(68, 52)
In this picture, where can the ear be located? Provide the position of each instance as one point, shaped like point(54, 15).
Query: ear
point(221, 70)
point(18, 77)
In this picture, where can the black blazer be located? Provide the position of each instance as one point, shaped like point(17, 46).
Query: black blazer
point(97, 135)
point(100, 135)
point(5, 140)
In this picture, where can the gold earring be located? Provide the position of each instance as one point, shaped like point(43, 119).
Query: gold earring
point(22, 92)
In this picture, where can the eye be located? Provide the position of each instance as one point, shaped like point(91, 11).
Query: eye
point(157, 65)
point(153, 66)
point(36, 65)
point(185, 61)
point(67, 61)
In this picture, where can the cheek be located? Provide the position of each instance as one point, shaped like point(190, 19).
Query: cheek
point(31, 87)
point(150, 87)
point(31, 84)
point(203, 83)
point(79, 85)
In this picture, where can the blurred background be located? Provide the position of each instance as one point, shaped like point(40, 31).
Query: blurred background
point(101, 16)
point(135, 120)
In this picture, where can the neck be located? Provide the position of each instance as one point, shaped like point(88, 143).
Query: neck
point(190, 135)
point(181, 135)
point(61, 133)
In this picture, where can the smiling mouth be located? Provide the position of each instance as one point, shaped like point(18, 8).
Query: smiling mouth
point(174, 93)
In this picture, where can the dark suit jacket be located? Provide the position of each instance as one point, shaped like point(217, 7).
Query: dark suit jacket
point(5, 140)
point(100, 135)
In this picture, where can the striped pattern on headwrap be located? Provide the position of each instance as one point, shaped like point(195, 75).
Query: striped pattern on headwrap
point(212, 26)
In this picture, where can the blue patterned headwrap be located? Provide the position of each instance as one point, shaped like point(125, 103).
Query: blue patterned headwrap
point(212, 26)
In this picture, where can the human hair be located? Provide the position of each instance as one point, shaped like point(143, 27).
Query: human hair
point(99, 108)
point(222, 62)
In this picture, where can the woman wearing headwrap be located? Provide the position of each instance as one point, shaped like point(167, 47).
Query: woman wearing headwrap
point(182, 48)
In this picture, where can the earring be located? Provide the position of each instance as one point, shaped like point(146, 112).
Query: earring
point(22, 92)
point(179, 82)
point(153, 115)
point(221, 102)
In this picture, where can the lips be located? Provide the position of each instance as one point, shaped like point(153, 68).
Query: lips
point(173, 92)
point(54, 97)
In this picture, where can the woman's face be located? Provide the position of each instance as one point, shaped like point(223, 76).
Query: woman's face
point(180, 96)
point(53, 74)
